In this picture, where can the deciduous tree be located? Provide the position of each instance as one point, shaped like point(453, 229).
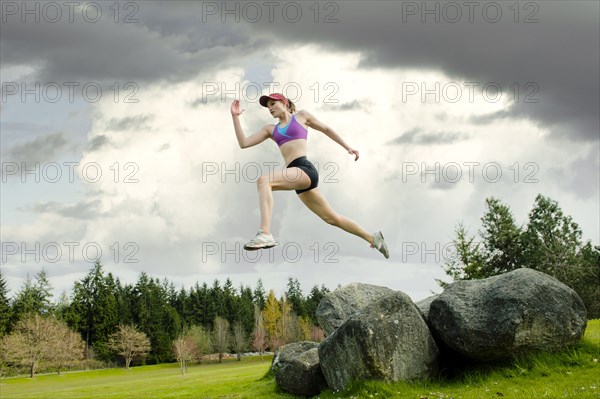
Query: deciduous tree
point(184, 350)
point(129, 343)
point(240, 340)
point(221, 336)
point(33, 340)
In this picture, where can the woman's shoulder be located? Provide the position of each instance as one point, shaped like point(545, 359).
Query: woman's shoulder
point(302, 115)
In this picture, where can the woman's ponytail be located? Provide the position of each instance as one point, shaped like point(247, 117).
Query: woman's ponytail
point(291, 106)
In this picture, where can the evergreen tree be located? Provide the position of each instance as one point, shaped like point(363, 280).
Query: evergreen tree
point(245, 309)
point(550, 243)
point(208, 307)
point(586, 277)
point(215, 303)
point(5, 311)
point(43, 292)
point(551, 240)
point(260, 295)
point(184, 309)
point(34, 297)
point(94, 310)
point(468, 262)
point(313, 300)
point(229, 302)
point(124, 298)
point(155, 317)
point(295, 298)
point(502, 246)
point(61, 309)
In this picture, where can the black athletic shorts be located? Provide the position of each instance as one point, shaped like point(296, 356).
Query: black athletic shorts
point(309, 169)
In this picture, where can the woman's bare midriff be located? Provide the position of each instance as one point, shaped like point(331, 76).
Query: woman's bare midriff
point(293, 149)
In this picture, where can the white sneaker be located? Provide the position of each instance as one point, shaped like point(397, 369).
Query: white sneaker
point(380, 244)
point(260, 241)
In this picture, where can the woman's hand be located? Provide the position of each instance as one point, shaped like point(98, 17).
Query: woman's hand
point(353, 152)
point(235, 108)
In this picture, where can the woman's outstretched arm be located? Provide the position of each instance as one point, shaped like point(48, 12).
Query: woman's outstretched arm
point(244, 141)
point(314, 123)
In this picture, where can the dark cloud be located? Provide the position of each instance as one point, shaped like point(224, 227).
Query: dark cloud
point(168, 43)
point(557, 54)
point(97, 142)
point(554, 60)
point(41, 149)
point(136, 122)
point(417, 136)
point(490, 117)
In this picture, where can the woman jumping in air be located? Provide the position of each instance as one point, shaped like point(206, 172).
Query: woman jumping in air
point(300, 174)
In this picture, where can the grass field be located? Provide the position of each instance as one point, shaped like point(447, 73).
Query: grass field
point(574, 373)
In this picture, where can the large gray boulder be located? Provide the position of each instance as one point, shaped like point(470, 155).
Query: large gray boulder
point(337, 306)
point(502, 316)
point(297, 370)
point(388, 340)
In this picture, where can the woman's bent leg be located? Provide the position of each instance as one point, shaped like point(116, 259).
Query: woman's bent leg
point(316, 202)
point(287, 179)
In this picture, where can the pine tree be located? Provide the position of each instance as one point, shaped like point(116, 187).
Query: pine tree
point(94, 310)
point(215, 304)
point(468, 262)
point(34, 297)
point(5, 311)
point(295, 297)
point(259, 294)
point(551, 240)
point(124, 298)
point(155, 317)
point(245, 309)
point(208, 307)
point(502, 239)
point(229, 301)
point(313, 300)
point(24, 302)
point(550, 243)
point(43, 292)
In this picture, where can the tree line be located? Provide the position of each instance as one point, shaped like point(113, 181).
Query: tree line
point(153, 322)
point(149, 321)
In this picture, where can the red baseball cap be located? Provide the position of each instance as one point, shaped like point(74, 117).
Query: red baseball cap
point(273, 96)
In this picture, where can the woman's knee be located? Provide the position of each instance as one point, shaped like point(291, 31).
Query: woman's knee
point(332, 219)
point(263, 181)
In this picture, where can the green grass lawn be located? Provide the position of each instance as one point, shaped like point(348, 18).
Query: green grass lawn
point(230, 379)
point(574, 373)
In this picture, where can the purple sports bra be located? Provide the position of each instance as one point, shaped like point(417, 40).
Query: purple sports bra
point(293, 131)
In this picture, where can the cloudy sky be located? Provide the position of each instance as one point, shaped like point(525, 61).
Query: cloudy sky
point(117, 137)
